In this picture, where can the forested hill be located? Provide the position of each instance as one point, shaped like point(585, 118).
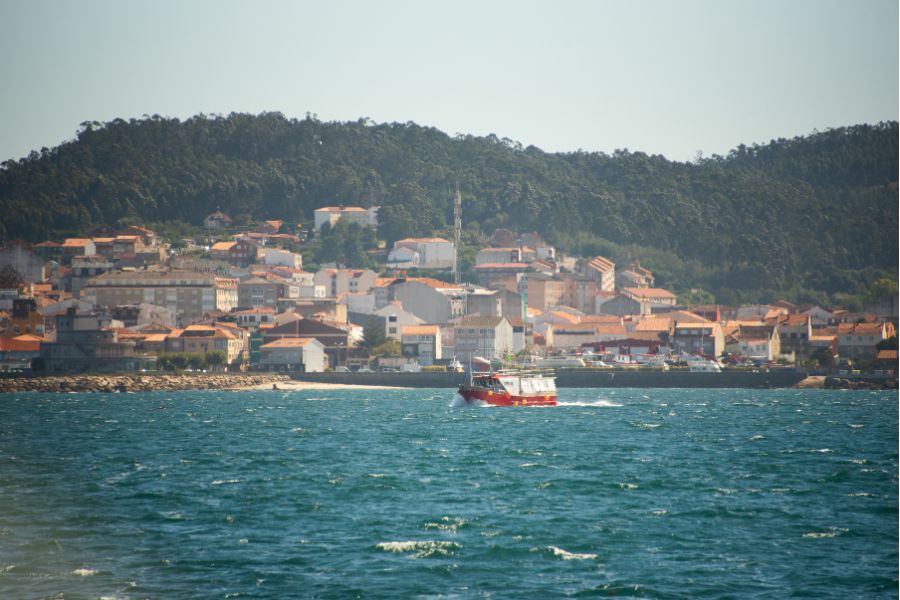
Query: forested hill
point(798, 217)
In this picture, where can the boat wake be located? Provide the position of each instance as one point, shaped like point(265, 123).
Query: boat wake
point(460, 402)
point(600, 402)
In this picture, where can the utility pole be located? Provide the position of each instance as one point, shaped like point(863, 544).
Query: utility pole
point(457, 232)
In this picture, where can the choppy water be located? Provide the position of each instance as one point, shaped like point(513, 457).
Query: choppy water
point(394, 494)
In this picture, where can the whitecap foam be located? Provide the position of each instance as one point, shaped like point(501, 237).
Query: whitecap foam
point(659, 513)
point(757, 438)
point(628, 486)
point(83, 572)
point(831, 533)
point(566, 555)
point(446, 524)
point(224, 481)
point(420, 548)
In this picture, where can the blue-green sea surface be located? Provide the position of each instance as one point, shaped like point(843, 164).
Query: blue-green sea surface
point(396, 494)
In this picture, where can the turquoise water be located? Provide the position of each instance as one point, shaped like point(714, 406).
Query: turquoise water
point(394, 494)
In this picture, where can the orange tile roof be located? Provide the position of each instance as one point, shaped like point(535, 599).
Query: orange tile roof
point(649, 292)
point(654, 324)
point(601, 264)
point(288, 342)
point(16, 345)
point(569, 318)
point(509, 265)
point(419, 330)
point(75, 242)
point(222, 246)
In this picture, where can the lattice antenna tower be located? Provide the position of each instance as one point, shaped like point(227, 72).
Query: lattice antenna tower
point(457, 231)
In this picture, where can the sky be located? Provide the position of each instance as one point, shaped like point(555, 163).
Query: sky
point(673, 77)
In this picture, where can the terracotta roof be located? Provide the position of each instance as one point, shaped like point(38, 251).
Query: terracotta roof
point(222, 246)
point(654, 324)
point(419, 330)
point(510, 265)
point(420, 241)
point(601, 264)
point(609, 329)
point(886, 355)
point(47, 244)
point(16, 345)
point(340, 209)
point(75, 242)
point(656, 293)
point(288, 342)
point(569, 318)
point(601, 319)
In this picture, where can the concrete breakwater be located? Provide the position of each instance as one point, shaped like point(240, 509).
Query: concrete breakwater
point(580, 378)
point(144, 382)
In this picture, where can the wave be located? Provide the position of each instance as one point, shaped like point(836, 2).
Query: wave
point(224, 481)
point(565, 554)
point(831, 533)
point(420, 548)
point(84, 572)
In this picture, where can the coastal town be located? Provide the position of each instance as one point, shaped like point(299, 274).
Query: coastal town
point(237, 298)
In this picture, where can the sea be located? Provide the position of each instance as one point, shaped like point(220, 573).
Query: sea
point(370, 493)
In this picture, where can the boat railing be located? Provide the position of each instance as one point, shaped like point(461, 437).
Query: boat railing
point(535, 372)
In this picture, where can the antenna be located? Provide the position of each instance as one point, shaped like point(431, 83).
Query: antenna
point(457, 232)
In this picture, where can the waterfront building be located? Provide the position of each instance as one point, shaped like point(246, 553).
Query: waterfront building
point(305, 355)
point(704, 339)
point(487, 337)
point(88, 343)
point(335, 339)
point(422, 343)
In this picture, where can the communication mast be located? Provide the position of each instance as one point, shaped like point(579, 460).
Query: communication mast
point(457, 231)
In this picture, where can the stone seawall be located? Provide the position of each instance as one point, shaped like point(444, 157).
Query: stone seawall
point(579, 378)
point(144, 382)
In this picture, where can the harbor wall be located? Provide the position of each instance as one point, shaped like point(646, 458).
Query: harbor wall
point(578, 378)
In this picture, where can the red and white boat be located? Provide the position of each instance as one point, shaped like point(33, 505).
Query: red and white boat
point(510, 388)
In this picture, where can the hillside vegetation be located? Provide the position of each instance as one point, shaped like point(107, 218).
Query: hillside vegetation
point(807, 218)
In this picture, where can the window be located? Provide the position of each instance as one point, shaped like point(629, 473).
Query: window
point(392, 330)
point(392, 319)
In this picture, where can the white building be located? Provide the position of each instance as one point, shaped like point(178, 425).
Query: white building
point(350, 214)
point(344, 281)
point(487, 337)
point(434, 253)
point(303, 354)
point(395, 318)
point(403, 258)
point(279, 257)
point(422, 342)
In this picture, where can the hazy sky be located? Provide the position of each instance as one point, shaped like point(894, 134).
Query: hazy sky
point(664, 77)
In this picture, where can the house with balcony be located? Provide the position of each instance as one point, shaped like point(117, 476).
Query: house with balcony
point(702, 339)
point(421, 343)
point(487, 337)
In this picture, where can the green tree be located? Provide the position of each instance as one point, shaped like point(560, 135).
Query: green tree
point(373, 334)
point(216, 359)
point(824, 357)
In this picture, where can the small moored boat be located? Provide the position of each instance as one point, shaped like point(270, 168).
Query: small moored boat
point(510, 388)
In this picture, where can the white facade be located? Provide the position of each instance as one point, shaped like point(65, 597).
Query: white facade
point(434, 253)
point(293, 354)
point(395, 318)
point(344, 281)
point(403, 258)
point(487, 337)
point(351, 214)
point(284, 258)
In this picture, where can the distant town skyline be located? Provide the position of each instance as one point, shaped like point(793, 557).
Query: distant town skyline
point(670, 78)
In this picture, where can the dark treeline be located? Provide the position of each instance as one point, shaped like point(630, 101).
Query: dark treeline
point(807, 218)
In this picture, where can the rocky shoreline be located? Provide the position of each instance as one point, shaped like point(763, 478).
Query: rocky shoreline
point(139, 383)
